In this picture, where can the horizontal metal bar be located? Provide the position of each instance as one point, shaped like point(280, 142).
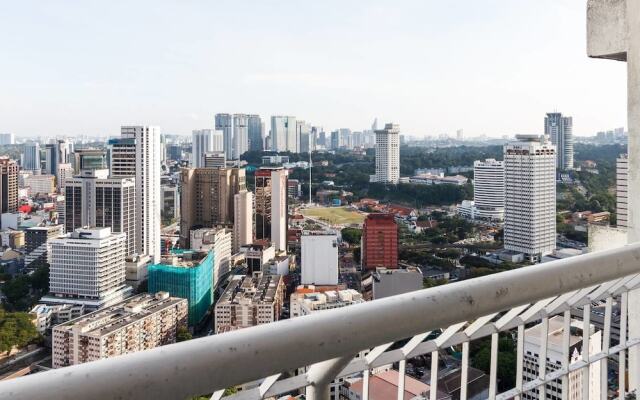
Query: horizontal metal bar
point(219, 361)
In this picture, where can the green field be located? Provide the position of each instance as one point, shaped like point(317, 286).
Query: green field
point(334, 215)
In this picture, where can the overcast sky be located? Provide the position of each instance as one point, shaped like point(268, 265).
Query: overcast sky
point(490, 67)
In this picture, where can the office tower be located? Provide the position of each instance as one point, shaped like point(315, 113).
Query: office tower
point(136, 153)
point(97, 256)
point(319, 253)
point(249, 301)
point(263, 203)
point(94, 199)
point(215, 160)
point(622, 170)
point(279, 208)
point(7, 139)
point(302, 137)
point(488, 189)
point(255, 132)
point(224, 123)
point(243, 219)
point(58, 152)
point(294, 189)
point(170, 202)
point(89, 159)
point(188, 275)
point(374, 125)
point(387, 155)
point(63, 172)
point(380, 242)
point(460, 135)
point(346, 139)
point(220, 241)
point(560, 130)
point(175, 153)
point(335, 140)
point(207, 198)
point(557, 353)
point(35, 241)
point(257, 254)
point(31, 157)
point(322, 139)
point(139, 323)
point(240, 135)
point(8, 185)
point(201, 143)
point(530, 196)
point(40, 184)
point(283, 133)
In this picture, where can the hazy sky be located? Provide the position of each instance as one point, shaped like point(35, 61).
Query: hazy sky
point(487, 66)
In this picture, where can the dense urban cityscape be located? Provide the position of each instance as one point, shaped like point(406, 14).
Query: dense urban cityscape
point(266, 257)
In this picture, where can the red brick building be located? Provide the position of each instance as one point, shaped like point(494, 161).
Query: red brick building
point(380, 241)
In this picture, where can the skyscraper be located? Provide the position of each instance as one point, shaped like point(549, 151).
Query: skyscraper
point(31, 157)
point(263, 203)
point(207, 198)
point(622, 171)
point(202, 142)
point(137, 153)
point(560, 130)
point(379, 241)
point(256, 136)
point(283, 133)
point(279, 208)
point(319, 257)
point(387, 155)
point(302, 137)
point(530, 196)
point(224, 123)
point(94, 199)
point(243, 219)
point(36, 247)
point(89, 159)
point(58, 152)
point(8, 185)
point(240, 135)
point(488, 189)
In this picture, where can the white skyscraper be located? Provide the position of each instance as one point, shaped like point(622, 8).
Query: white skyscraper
point(387, 155)
point(283, 133)
point(87, 267)
point(560, 130)
point(137, 153)
point(622, 170)
point(319, 251)
point(279, 208)
point(240, 135)
point(530, 196)
point(488, 189)
point(243, 219)
point(31, 156)
point(224, 123)
point(202, 142)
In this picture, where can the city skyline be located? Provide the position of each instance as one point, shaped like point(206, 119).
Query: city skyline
point(354, 62)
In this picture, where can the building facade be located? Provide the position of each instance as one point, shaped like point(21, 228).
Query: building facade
point(139, 323)
point(31, 157)
point(530, 196)
point(240, 135)
point(243, 219)
point(36, 239)
point(218, 240)
point(224, 123)
point(379, 242)
point(622, 171)
point(319, 257)
point(387, 155)
point(8, 185)
point(560, 130)
point(279, 208)
point(202, 141)
point(488, 189)
point(283, 133)
point(255, 132)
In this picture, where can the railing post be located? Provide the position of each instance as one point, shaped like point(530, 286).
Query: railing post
point(322, 374)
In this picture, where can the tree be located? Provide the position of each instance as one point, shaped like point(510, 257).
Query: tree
point(16, 330)
point(351, 235)
point(16, 292)
point(481, 359)
point(183, 334)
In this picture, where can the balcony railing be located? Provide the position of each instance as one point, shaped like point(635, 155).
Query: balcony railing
point(433, 320)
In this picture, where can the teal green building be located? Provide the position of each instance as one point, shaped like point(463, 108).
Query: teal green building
point(189, 275)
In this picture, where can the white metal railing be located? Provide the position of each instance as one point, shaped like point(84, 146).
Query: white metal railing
point(327, 341)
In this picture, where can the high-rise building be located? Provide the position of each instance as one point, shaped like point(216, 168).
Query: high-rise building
point(530, 196)
point(89, 159)
point(224, 123)
point(58, 152)
point(202, 142)
point(460, 135)
point(319, 258)
point(94, 199)
point(188, 275)
point(218, 240)
point(263, 203)
point(137, 153)
point(206, 198)
point(488, 189)
point(560, 130)
point(387, 155)
point(216, 159)
point(250, 301)
point(240, 135)
point(7, 139)
point(8, 185)
point(36, 241)
point(302, 137)
point(170, 202)
point(31, 157)
point(279, 208)
point(255, 131)
point(379, 241)
point(42, 184)
point(283, 133)
point(622, 171)
point(139, 323)
point(243, 219)
point(87, 267)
